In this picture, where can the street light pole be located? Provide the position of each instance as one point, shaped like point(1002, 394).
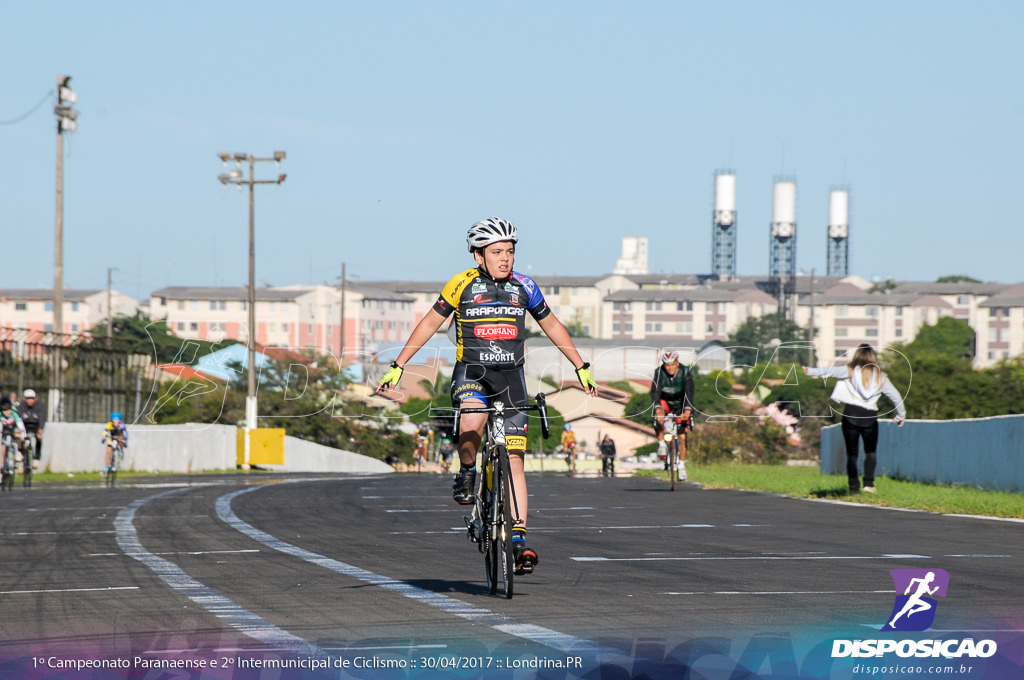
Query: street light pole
point(235, 177)
point(66, 116)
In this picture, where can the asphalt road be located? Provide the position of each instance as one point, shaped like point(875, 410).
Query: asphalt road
point(376, 571)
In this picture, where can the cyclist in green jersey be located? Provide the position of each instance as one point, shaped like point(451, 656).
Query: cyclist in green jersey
point(672, 394)
point(490, 303)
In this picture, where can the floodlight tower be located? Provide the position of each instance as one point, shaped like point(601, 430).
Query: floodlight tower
point(838, 232)
point(723, 226)
point(782, 266)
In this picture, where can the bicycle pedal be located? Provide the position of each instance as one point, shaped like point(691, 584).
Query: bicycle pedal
point(472, 529)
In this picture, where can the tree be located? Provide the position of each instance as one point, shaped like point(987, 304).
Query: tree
point(952, 337)
point(957, 278)
point(752, 341)
point(138, 335)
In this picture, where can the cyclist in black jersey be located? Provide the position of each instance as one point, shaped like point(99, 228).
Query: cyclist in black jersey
point(490, 303)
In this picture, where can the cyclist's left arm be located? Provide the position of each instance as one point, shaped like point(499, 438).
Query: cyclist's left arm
point(554, 329)
point(688, 390)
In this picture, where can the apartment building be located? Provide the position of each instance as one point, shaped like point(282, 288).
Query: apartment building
point(294, 317)
point(652, 309)
point(701, 313)
point(32, 309)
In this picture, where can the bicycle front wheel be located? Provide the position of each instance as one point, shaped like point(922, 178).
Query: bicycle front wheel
point(673, 460)
point(500, 557)
point(28, 456)
point(508, 560)
point(491, 525)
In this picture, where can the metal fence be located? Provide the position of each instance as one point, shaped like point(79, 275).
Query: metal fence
point(80, 378)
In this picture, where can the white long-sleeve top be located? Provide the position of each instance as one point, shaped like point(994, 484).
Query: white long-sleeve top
point(850, 388)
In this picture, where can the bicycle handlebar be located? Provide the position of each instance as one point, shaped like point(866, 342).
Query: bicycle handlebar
point(540, 406)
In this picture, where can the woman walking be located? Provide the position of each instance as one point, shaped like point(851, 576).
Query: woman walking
point(858, 386)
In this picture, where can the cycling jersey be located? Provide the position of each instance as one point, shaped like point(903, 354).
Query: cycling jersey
point(33, 416)
point(676, 389)
point(490, 316)
point(115, 430)
point(12, 423)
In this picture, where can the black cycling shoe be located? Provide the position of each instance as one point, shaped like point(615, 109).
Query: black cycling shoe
point(525, 558)
point(464, 488)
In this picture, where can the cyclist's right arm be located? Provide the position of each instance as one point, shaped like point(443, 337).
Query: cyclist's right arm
point(424, 330)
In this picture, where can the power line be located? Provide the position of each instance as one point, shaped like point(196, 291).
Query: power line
point(30, 112)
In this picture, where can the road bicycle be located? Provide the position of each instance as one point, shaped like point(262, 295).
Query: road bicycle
point(496, 511)
point(607, 466)
point(116, 459)
point(28, 453)
point(9, 465)
point(570, 457)
point(674, 436)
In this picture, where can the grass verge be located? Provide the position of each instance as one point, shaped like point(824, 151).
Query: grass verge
point(804, 482)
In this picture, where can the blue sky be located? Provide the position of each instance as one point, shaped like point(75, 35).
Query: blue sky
point(582, 122)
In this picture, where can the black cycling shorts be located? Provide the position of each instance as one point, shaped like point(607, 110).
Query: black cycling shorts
point(487, 383)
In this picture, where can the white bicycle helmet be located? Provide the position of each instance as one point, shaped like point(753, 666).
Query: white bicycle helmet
point(669, 356)
point(491, 230)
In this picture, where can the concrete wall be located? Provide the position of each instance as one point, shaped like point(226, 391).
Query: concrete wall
point(987, 453)
point(77, 447)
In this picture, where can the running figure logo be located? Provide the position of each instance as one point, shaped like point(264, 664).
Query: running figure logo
point(914, 610)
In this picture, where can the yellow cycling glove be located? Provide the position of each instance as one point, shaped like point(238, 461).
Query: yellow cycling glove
point(587, 380)
point(391, 377)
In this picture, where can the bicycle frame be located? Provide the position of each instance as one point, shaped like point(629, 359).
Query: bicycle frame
point(116, 445)
point(8, 466)
point(674, 436)
point(496, 509)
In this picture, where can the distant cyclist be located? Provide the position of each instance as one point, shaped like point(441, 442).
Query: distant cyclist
point(13, 430)
point(607, 447)
point(490, 303)
point(672, 393)
point(446, 452)
point(424, 443)
point(116, 430)
point(33, 414)
point(568, 444)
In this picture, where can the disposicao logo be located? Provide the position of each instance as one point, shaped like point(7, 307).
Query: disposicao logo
point(914, 610)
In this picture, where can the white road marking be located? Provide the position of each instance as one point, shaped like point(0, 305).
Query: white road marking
point(449, 605)
point(748, 557)
point(783, 592)
point(65, 590)
point(57, 533)
point(181, 552)
point(237, 617)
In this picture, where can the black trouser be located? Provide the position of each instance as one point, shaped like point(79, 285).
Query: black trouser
point(39, 444)
point(860, 422)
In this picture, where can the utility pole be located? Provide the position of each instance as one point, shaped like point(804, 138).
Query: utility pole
point(341, 345)
point(66, 116)
point(810, 328)
point(110, 311)
point(235, 177)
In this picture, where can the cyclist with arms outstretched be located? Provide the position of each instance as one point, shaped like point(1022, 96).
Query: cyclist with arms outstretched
point(490, 303)
point(672, 394)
